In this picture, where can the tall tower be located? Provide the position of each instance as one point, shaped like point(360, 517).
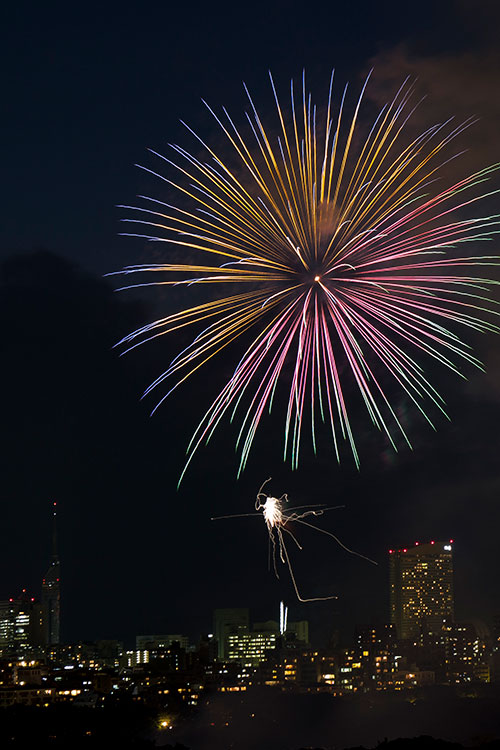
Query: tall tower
point(51, 590)
point(421, 580)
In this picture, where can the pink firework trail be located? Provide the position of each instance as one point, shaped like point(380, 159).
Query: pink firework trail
point(346, 260)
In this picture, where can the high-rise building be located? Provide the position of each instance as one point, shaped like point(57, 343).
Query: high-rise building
point(421, 587)
point(21, 624)
point(51, 590)
point(229, 621)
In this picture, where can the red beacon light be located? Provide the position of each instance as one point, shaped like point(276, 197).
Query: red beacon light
point(416, 544)
point(390, 551)
point(451, 541)
point(432, 542)
point(405, 550)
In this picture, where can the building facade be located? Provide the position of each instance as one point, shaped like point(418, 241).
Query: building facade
point(152, 642)
point(227, 622)
point(22, 624)
point(421, 588)
point(250, 649)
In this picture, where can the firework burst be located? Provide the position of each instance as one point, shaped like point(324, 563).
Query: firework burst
point(280, 520)
point(345, 257)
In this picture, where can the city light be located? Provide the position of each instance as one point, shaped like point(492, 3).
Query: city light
point(165, 722)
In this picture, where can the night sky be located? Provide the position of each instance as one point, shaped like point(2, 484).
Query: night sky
point(86, 90)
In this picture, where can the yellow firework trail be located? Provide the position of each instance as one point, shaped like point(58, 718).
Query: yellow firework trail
point(346, 257)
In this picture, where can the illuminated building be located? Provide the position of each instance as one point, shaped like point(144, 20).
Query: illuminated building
point(421, 587)
point(157, 642)
point(21, 624)
point(465, 653)
point(350, 675)
point(249, 649)
point(8, 630)
point(404, 678)
point(376, 652)
point(375, 637)
point(291, 664)
point(51, 591)
point(29, 673)
point(298, 630)
point(170, 650)
point(329, 668)
point(229, 621)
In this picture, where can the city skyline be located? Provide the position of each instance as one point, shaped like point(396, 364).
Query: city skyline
point(419, 593)
point(239, 653)
point(223, 678)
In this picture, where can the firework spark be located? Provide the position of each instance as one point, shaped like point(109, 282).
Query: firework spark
point(346, 259)
point(279, 521)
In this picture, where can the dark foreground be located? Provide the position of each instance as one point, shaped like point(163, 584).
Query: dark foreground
point(268, 720)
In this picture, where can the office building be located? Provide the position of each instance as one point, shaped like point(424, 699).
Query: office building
point(229, 622)
point(465, 653)
point(249, 649)
point(421, 588)
point(21, 624)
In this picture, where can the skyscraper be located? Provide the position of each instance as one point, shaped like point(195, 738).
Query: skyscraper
point(421, 581)
point(51, 591)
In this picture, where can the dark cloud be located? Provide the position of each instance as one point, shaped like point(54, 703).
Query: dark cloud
point(456, 79)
